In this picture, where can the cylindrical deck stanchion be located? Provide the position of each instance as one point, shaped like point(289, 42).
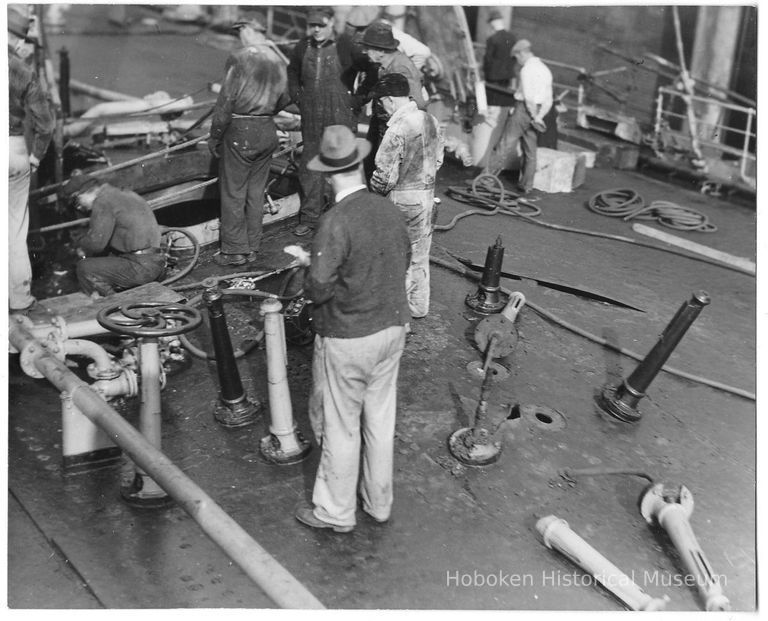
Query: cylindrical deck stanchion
point(284, 444)
point(488, 298)
point(143, 490)
point(234, 408)
point(621, 401)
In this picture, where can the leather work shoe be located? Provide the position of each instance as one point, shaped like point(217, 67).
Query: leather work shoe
point(306, 516)
point(221, 258)
point(302, 230)
point(252, 256)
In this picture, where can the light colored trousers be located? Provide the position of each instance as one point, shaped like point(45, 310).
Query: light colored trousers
point(486, 132)
point(354, 397)
point(417, 207)
point(19, 267)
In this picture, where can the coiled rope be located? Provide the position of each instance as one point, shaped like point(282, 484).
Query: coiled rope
point(627, 204)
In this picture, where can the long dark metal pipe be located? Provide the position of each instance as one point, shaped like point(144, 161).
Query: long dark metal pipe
point(66, 108)
point(276, 581)
point(621, 402)
point(235, 409)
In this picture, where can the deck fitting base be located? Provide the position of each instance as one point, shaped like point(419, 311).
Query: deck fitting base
point(470, 451)
point(614, 407)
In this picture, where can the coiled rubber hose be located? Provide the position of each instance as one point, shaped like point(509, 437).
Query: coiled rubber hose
point(506, 209)
point(627, 204)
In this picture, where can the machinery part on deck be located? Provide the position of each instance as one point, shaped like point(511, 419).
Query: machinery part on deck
point(165, 231)
point(487, 299)
point(459, 269)
point(626, 203)
point(499, 330)
point(621, 401)
point(543, 417)
point(558, 535)
point(671, 509)
point(276, 582)
point(284, 445)
point(234, 408)
point(515, 211)
point(477, 368)
point(148, 321)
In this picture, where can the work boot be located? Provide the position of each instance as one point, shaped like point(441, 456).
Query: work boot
point(222, 258)
point(302, 230)
point(306, 516)
point(252, 256)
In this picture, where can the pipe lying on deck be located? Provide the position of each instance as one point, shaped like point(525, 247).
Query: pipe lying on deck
point(276, 581)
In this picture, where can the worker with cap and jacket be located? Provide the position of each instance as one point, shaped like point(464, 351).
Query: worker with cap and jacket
point(319, 65)
point(382, 48)
point(28, 107)
point(356, 282)
point(244, 137)
point(533, 100)
point(407, 162)
point(121, 248)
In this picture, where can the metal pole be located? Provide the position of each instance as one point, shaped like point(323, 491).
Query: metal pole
point(234, 409)
point(276, 582)
point(488, 299)
point(621, 401)
point(66, 108)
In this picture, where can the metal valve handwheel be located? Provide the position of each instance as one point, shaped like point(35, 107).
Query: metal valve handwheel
point(150, 319)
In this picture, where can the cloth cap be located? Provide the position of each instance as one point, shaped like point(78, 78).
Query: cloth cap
point(391, 85)
point(319, 15)
point(494, 15)
point(362, 16)
point(522, 44)
point(77, 184)
point(339, 149)
point(18, 23)
point(379, 36)
point(254, 20)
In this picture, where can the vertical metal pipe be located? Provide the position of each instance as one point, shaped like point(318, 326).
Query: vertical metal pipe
point(235, 408)
point(150, 414)
point(492, 270)
point(488, 298)
point(285, 444)
point(229, 376)
point(621, 402)
point(66, 108)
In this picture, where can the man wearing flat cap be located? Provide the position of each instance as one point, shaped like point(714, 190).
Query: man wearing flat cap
point(407, 162)
point(533, 100)
point(28, 107)
point(244, 136)
point(382, 48)
point(317, 71)
point(356, 282)
point(121, 248)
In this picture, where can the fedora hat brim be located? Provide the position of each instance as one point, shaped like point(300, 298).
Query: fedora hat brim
point(362, 147)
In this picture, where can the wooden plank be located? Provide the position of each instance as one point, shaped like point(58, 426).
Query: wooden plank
point(717, 255)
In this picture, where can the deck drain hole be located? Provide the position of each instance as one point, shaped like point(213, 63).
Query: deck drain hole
point(543, 417)
point(514, 413)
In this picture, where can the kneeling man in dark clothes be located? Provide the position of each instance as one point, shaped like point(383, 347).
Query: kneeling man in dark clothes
point(124, 233)
point(356, 281)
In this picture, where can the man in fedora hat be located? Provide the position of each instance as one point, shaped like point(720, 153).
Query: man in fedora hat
point(319, 65)
point(29, 106)
point(407, 162)
point(121, 248)
point(244, 136)
point(356, 282)
point(382, 48)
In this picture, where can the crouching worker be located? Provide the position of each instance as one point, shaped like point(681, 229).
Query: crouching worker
point(123, 232)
